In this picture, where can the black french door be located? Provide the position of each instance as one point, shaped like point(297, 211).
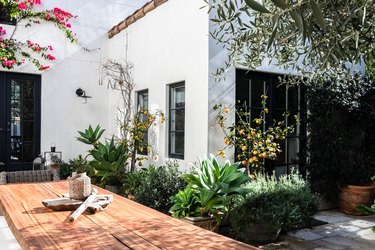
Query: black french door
point(20, 96)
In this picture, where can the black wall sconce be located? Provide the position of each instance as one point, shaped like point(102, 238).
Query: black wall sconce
point(81, 93)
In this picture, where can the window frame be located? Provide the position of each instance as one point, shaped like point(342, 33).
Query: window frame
point(139, 93)
point(171, 87)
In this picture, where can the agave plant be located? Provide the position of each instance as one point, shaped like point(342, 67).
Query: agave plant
point(91, 136)
point(222, 179)
point(109, 161)
point(186, 204)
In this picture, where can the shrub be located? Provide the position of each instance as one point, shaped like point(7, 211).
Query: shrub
point(276, 204)
point(340, 124)
point(156, 185)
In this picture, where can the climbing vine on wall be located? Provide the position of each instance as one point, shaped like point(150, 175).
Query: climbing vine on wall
point(14, 52)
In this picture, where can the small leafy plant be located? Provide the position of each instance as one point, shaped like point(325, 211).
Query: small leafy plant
point(211, 184)
point(186, 204)
point(153, 186)
point(109, 162)
point(277, 204)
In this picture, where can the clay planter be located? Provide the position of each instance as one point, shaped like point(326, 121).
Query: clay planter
point(352, 196)
point(207, 223)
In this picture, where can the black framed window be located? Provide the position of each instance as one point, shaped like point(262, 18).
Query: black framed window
point(5, 16)
point(176, 139)
point(282, 98)
point(142, 106)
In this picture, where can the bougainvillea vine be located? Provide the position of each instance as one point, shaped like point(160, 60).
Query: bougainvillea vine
point(13, 52)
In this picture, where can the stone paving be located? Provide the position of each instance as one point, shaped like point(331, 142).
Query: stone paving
point(7, 240)
point(341, 232)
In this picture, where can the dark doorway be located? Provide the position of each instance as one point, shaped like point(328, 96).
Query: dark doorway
point(20, 96)
point(282, 98)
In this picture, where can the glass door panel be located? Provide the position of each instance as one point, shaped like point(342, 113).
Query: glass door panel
point(21, 120)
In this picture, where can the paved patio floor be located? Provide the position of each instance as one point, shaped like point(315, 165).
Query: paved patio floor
point(7, 240)
point(341, 232)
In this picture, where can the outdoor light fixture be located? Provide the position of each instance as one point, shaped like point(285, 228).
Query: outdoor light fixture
point(81, 93)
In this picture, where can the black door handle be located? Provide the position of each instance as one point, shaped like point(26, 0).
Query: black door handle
point(1, 129)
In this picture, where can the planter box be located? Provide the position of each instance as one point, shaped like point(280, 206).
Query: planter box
point(207, 223)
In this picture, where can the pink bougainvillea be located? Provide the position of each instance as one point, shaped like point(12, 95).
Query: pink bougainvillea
point(13, 52)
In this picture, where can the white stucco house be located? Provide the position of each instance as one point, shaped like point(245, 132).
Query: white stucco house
point(173, 58)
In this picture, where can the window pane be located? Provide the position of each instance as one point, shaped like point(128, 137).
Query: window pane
point(178, 97)
point(293, 146)
point(28, 110)
point(281, 97)
point(28, 152)
point(142, 106)
point(177, 143)
point(143, 100)
point(28, 131)
point(293, 98)
point(257, 90)
point(177, 120)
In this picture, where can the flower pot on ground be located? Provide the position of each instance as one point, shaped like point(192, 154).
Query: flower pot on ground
point(353, 196)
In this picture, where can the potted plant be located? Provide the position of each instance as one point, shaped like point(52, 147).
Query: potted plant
point(270, 206)
point(209, 187)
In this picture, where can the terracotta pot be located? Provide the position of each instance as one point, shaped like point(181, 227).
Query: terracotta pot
point(207, 223)
point(352, 196)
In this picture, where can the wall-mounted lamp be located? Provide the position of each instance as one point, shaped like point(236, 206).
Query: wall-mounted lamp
point(81, 93)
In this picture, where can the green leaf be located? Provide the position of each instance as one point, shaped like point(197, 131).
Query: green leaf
point(297, 20)
point(281, 4)
point(275, 19)
point(318, 14)
point(257, 6)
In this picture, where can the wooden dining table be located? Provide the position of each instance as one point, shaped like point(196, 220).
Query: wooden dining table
point(124, 225)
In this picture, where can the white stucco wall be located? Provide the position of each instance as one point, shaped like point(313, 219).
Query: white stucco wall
point(170, 45)
point(62, 111)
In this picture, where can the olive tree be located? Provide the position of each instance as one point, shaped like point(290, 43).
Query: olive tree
point(316, 38)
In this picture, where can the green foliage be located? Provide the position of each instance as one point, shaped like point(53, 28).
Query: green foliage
point(153, 186)
point(109, 158)
point(253, 143)
point(109, 162)
point(277, 204)
point(221, 179)
point(313, 37)
point(78, 164)
point(91, 136)
point(341, 135)
point(186, 204)
point(212, 184)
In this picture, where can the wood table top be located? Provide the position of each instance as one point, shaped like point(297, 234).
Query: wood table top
point(124, 225)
